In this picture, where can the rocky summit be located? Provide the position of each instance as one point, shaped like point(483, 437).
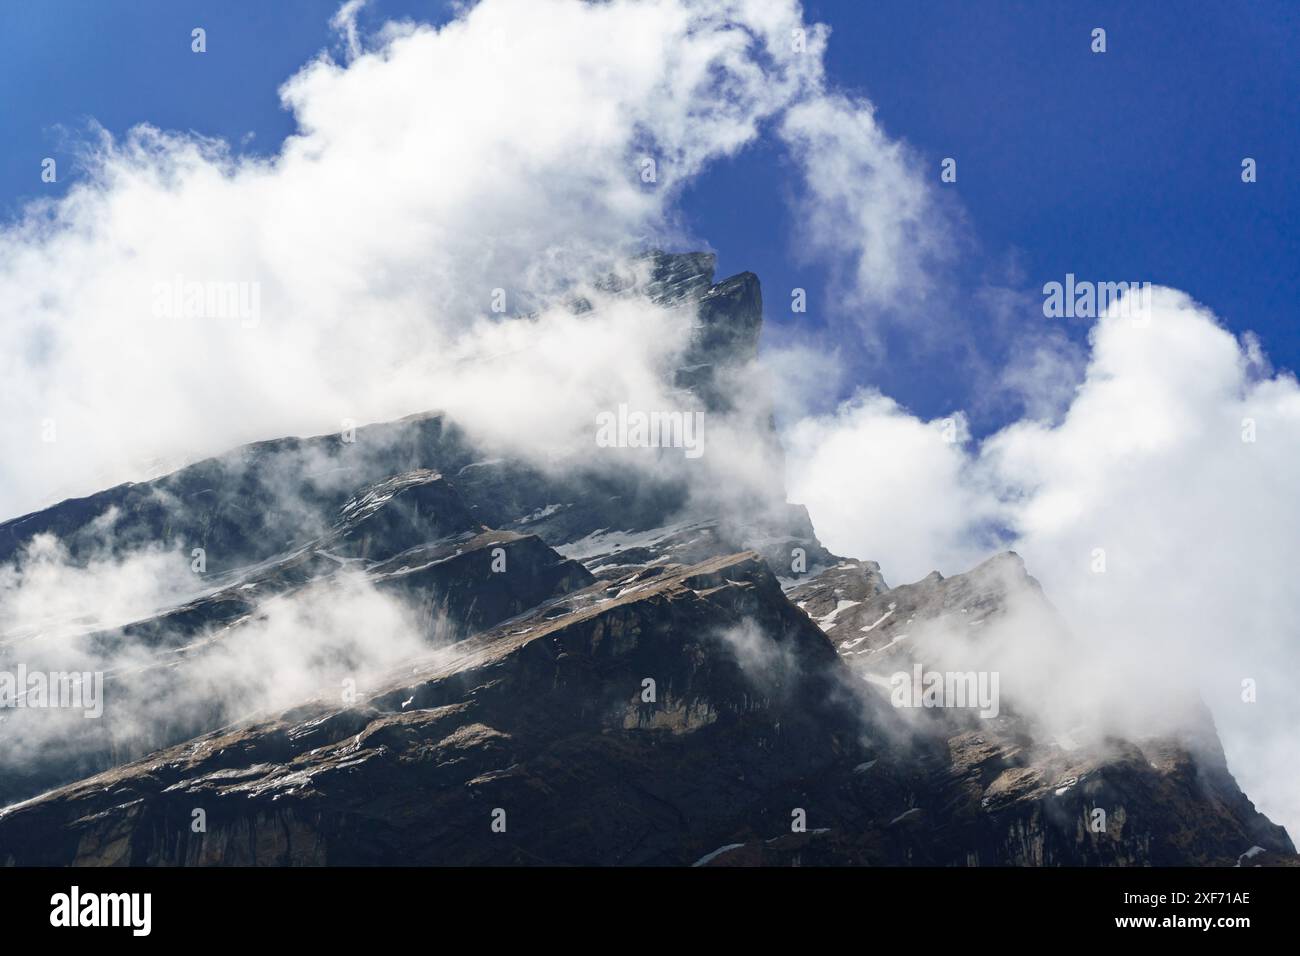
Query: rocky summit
point(599, 666)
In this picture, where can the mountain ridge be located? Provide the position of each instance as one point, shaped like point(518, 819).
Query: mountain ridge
point(765, 712)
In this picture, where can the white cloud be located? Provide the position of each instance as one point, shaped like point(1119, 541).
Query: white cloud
point(1200, 529)
point(431, 172)
point(344, 23)
point(883, 484)
point(500, 151)
point(45, 594)
point(867, 207)
point(504, 151)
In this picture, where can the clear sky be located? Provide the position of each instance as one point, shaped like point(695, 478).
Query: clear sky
point(1117, 166)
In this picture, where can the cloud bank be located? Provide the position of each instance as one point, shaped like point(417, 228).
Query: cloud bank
point(442, 180)
point(416, 244)
point(439, 180)
point(1159, 512)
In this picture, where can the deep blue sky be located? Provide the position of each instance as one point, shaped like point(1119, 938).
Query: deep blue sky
point(1117, 166)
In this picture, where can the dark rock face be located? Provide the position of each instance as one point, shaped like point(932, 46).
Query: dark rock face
point(605, 676)
point(545, 718)
point(229, 505)
point(451, 582)
point(458, 578)
point(879, 629)
point(402, 512)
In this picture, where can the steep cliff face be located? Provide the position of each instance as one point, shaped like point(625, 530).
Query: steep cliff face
point(1013, 787)
point(637, 721)
point(607, 672)
point(670, 715)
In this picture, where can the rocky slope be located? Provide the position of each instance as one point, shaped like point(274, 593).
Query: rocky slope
point(607, 673)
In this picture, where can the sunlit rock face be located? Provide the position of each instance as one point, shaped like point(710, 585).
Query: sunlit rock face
point(502, 663)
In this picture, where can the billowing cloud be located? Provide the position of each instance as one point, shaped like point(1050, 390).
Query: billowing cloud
point(883, 484)
point(184, 298)
point(1159, 513)
point(416, 244)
